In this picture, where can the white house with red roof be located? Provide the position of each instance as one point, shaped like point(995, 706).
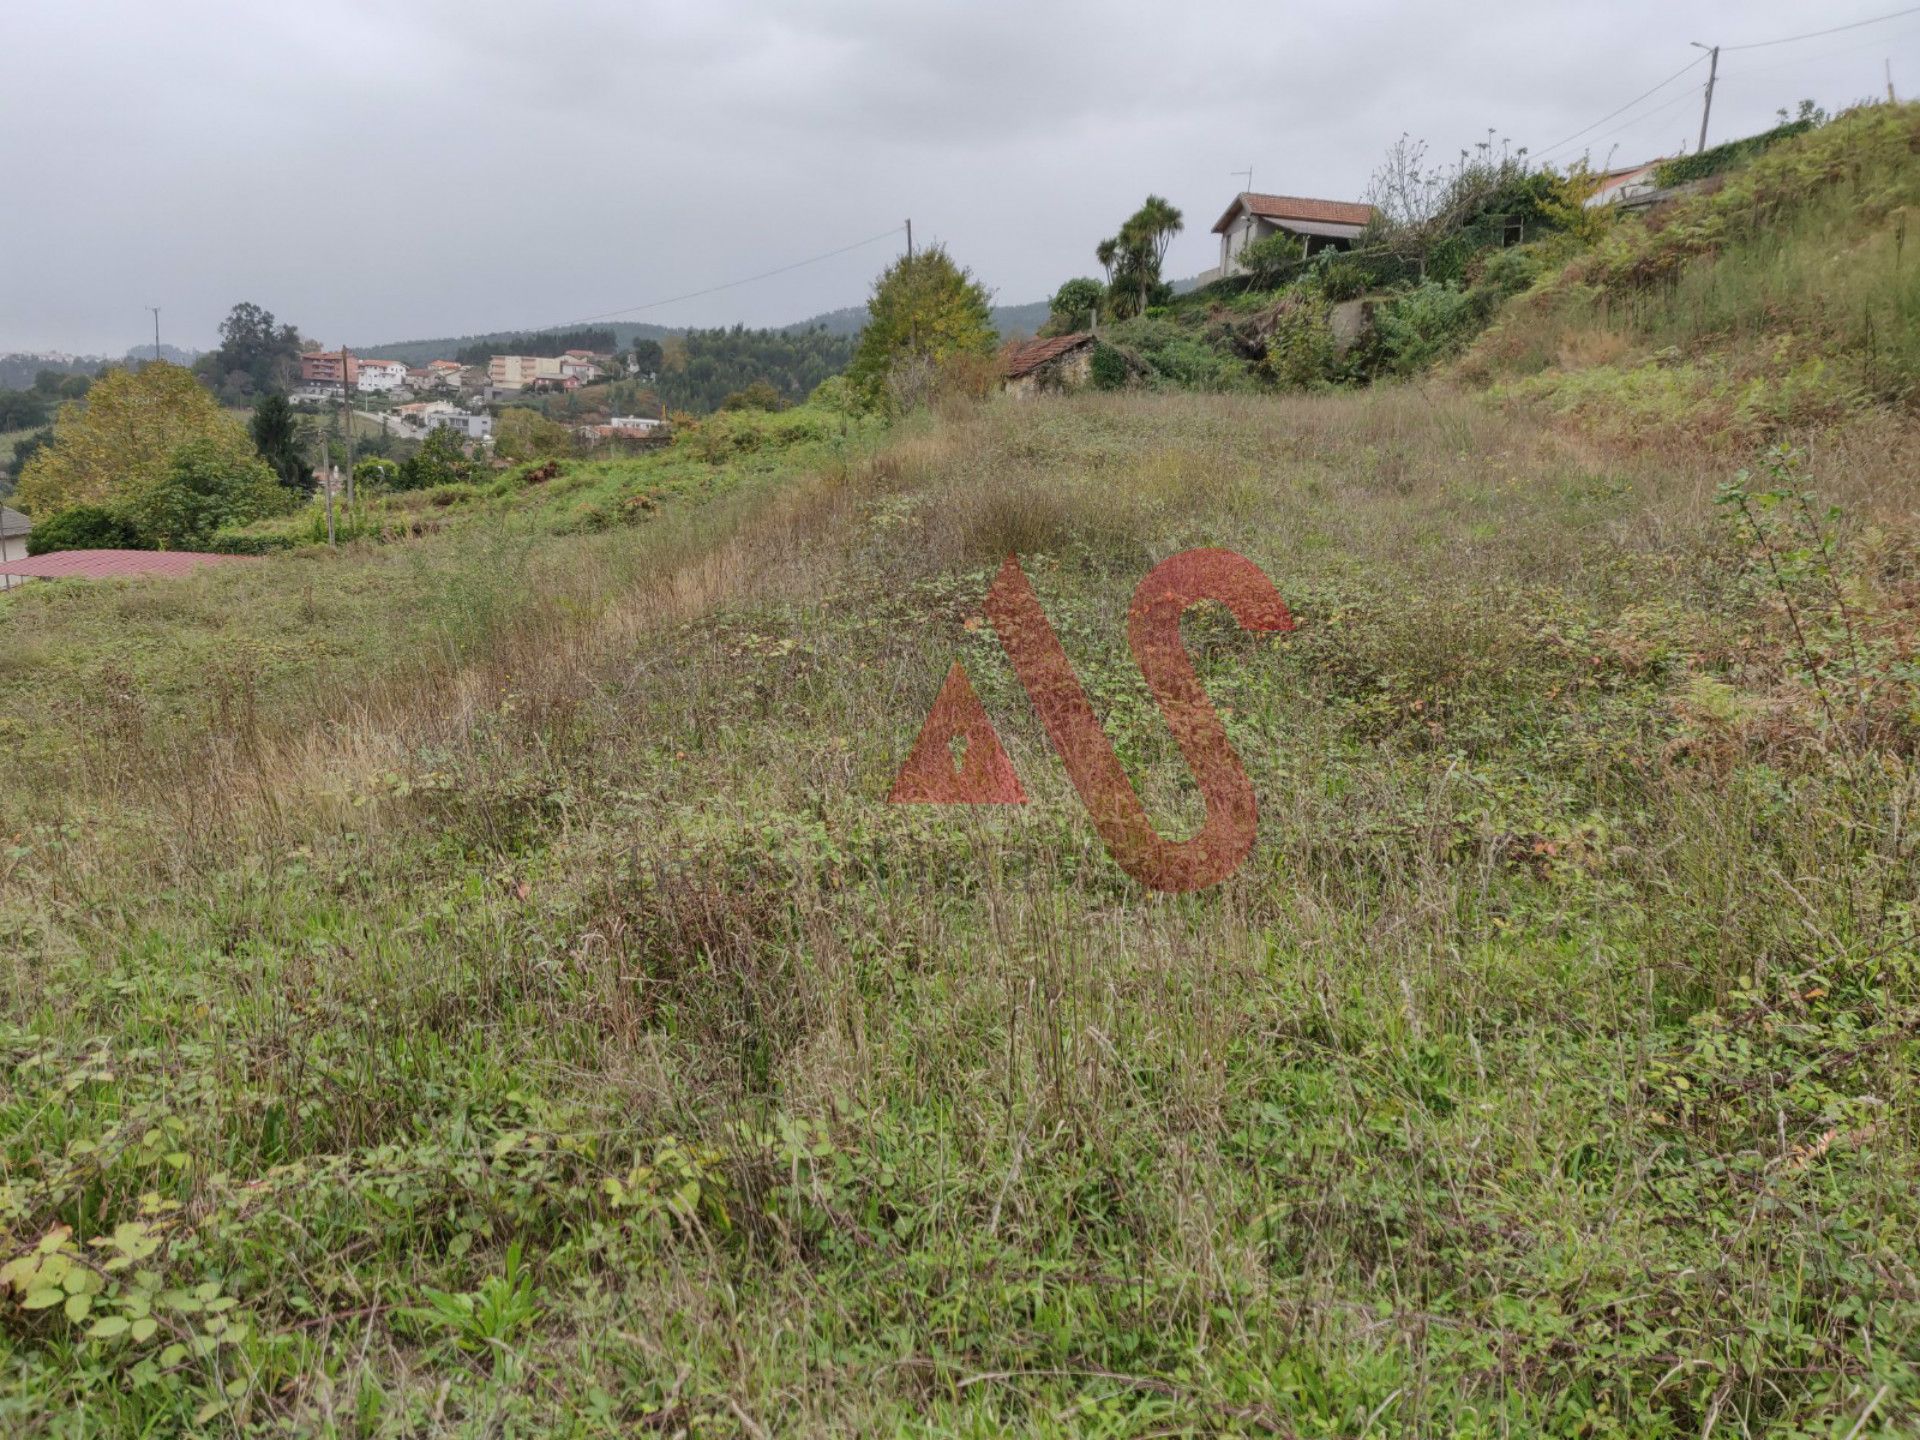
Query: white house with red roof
point(1317, 224)
point(378, 376)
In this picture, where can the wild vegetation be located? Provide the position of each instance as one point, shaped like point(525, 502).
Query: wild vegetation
point(152, 448)
point(700, 368)
point(1453, 243)
point(469, 982)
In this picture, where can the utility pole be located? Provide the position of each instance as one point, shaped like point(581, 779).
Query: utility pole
point(326, 478)
point(1713, 69)
point(1248, 172)
point(1890, 99)
point(909, 237)
point(156, 309)
point(346, 394)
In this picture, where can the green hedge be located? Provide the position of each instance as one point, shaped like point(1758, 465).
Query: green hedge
point(1723, 157)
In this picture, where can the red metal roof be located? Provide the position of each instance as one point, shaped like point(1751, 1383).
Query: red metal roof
point(1295, 207)
point(1018, 360)
point(112, 564)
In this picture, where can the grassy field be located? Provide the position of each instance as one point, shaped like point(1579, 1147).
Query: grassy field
point(473, 985)
point(470, 983)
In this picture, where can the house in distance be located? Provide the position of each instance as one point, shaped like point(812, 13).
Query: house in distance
point(1063, 362)
point(1317, 224)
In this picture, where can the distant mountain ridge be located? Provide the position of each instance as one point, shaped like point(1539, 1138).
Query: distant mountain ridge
point(1009, 320)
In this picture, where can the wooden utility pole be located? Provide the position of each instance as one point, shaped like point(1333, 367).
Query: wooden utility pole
point(1890, 99)
point(1713, 70)
point(909, 237)
point(326, 476)
point(346, 391)
point(156, 309)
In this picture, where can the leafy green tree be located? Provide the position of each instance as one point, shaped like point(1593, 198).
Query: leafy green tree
point(700, 369)
point(203, 487)
point(440, 460)
point(925, 309)
point(1073, 305)
point(22, 409)
point(646, 357)
point(276, 436)
point(25, 450)
point(376, 470)
point(123, 437)
point(523, 434)
point(257, 355)
point(1272, 259)
point(85, 527)
point(757, 396)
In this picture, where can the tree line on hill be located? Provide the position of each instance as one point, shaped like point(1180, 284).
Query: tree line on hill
point(698, 370)
point(541, 342)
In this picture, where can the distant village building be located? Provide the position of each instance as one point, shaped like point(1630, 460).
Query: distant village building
point(1629, 187)
point(511, 373)
point(470, 427)
point(13, 542)
point(379, 376)
point(419, 413)
point(440, 375)
point(638, 423)
point(326, 368)
point(1317, 224)
point(1064, 362)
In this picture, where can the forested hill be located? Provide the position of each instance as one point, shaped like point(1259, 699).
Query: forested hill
point(847, 321)
point(700, 368)
point(1009, 320)
point(500, 342)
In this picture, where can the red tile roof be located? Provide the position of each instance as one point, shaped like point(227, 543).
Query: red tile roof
point(1024, 359)
point(112, 564)
point(1295, 207)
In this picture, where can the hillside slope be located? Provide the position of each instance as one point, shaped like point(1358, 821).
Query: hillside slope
point(1786, 296)
point(477, 985)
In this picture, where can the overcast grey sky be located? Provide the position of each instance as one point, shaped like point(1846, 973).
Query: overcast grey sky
point(376, 171)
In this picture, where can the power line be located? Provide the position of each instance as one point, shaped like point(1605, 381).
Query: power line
point(1805, 60)
point(1816, 34)
point(730, 284)
point(1537, 154)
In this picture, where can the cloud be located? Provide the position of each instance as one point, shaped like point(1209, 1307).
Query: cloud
point(372, 171)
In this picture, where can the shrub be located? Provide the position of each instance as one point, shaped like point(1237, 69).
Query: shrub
point(1725, 157)
point(1074, 304)
point(441, 460)
point(247, 542)
point(1272, 260)
point(84, 527)
point(1341, 279)
point(524, 434)
point(758, 396)
point(836, 396)
point(1300, 344)
point(1427, 324)
point(204, 487)
point(376, 470)
point(1109, 367)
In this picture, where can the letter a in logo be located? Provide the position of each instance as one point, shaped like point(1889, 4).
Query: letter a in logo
point(980, 774)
